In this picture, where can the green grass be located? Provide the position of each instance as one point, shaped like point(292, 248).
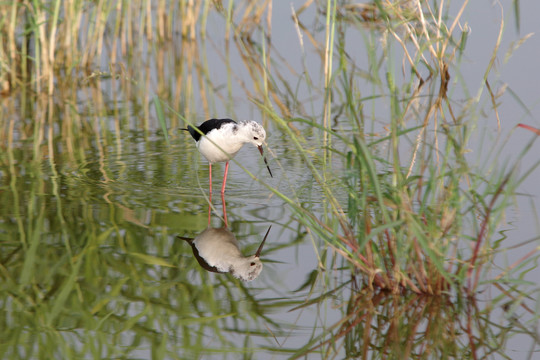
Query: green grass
point(414, 209)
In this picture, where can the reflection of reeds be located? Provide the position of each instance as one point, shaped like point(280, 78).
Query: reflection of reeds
point(399, 226)
point(96, 293)
point(375, 325)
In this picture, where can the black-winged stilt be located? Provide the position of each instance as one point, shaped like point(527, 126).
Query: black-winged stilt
point(219, 140)
point(216, 250)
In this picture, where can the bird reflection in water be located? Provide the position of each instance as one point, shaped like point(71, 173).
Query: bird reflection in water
point(217, 250)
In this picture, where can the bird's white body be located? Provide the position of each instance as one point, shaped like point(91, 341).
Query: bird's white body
point(220, 139)
point(223, 144)
point(218, 247)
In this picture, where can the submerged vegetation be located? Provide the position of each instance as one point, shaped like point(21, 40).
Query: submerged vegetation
point(369, 95)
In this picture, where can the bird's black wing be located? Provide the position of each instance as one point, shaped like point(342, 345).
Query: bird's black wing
point(208, 126)
point(198, 257)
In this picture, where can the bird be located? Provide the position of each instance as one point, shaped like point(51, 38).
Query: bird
point(217, 250)
point(219, 140)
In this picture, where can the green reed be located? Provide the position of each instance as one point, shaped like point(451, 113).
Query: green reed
point(414, 200)
point(375, 325)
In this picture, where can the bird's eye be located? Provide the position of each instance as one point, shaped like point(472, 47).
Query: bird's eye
point(255, 138)
point(252, 264)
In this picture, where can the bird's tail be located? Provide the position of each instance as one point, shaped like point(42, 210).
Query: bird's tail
point(194, 133)
point(189, 240)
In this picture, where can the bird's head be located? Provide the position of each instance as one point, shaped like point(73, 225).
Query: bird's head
point(256, 135)
point(255, 132)
point(249, 269)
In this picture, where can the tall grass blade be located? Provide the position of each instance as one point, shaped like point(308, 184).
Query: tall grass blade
point(161, 118)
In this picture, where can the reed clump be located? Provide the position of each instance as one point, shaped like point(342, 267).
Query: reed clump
point(44, 42)
point(418, 215)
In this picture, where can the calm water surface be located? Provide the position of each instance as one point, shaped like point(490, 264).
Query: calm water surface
point(91, 265)
point(98, 256)
point(94, 267)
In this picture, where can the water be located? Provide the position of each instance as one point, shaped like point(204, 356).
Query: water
point(90, 262)
point(101, 272)
point(99, 255)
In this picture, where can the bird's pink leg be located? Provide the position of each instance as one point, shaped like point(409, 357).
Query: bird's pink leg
point(210, 195)
point(225, 177)
point(224, 210)
point(210, 180)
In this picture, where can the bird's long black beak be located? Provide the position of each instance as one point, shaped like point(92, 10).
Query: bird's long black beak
point(258, 253)
point(266, 162)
